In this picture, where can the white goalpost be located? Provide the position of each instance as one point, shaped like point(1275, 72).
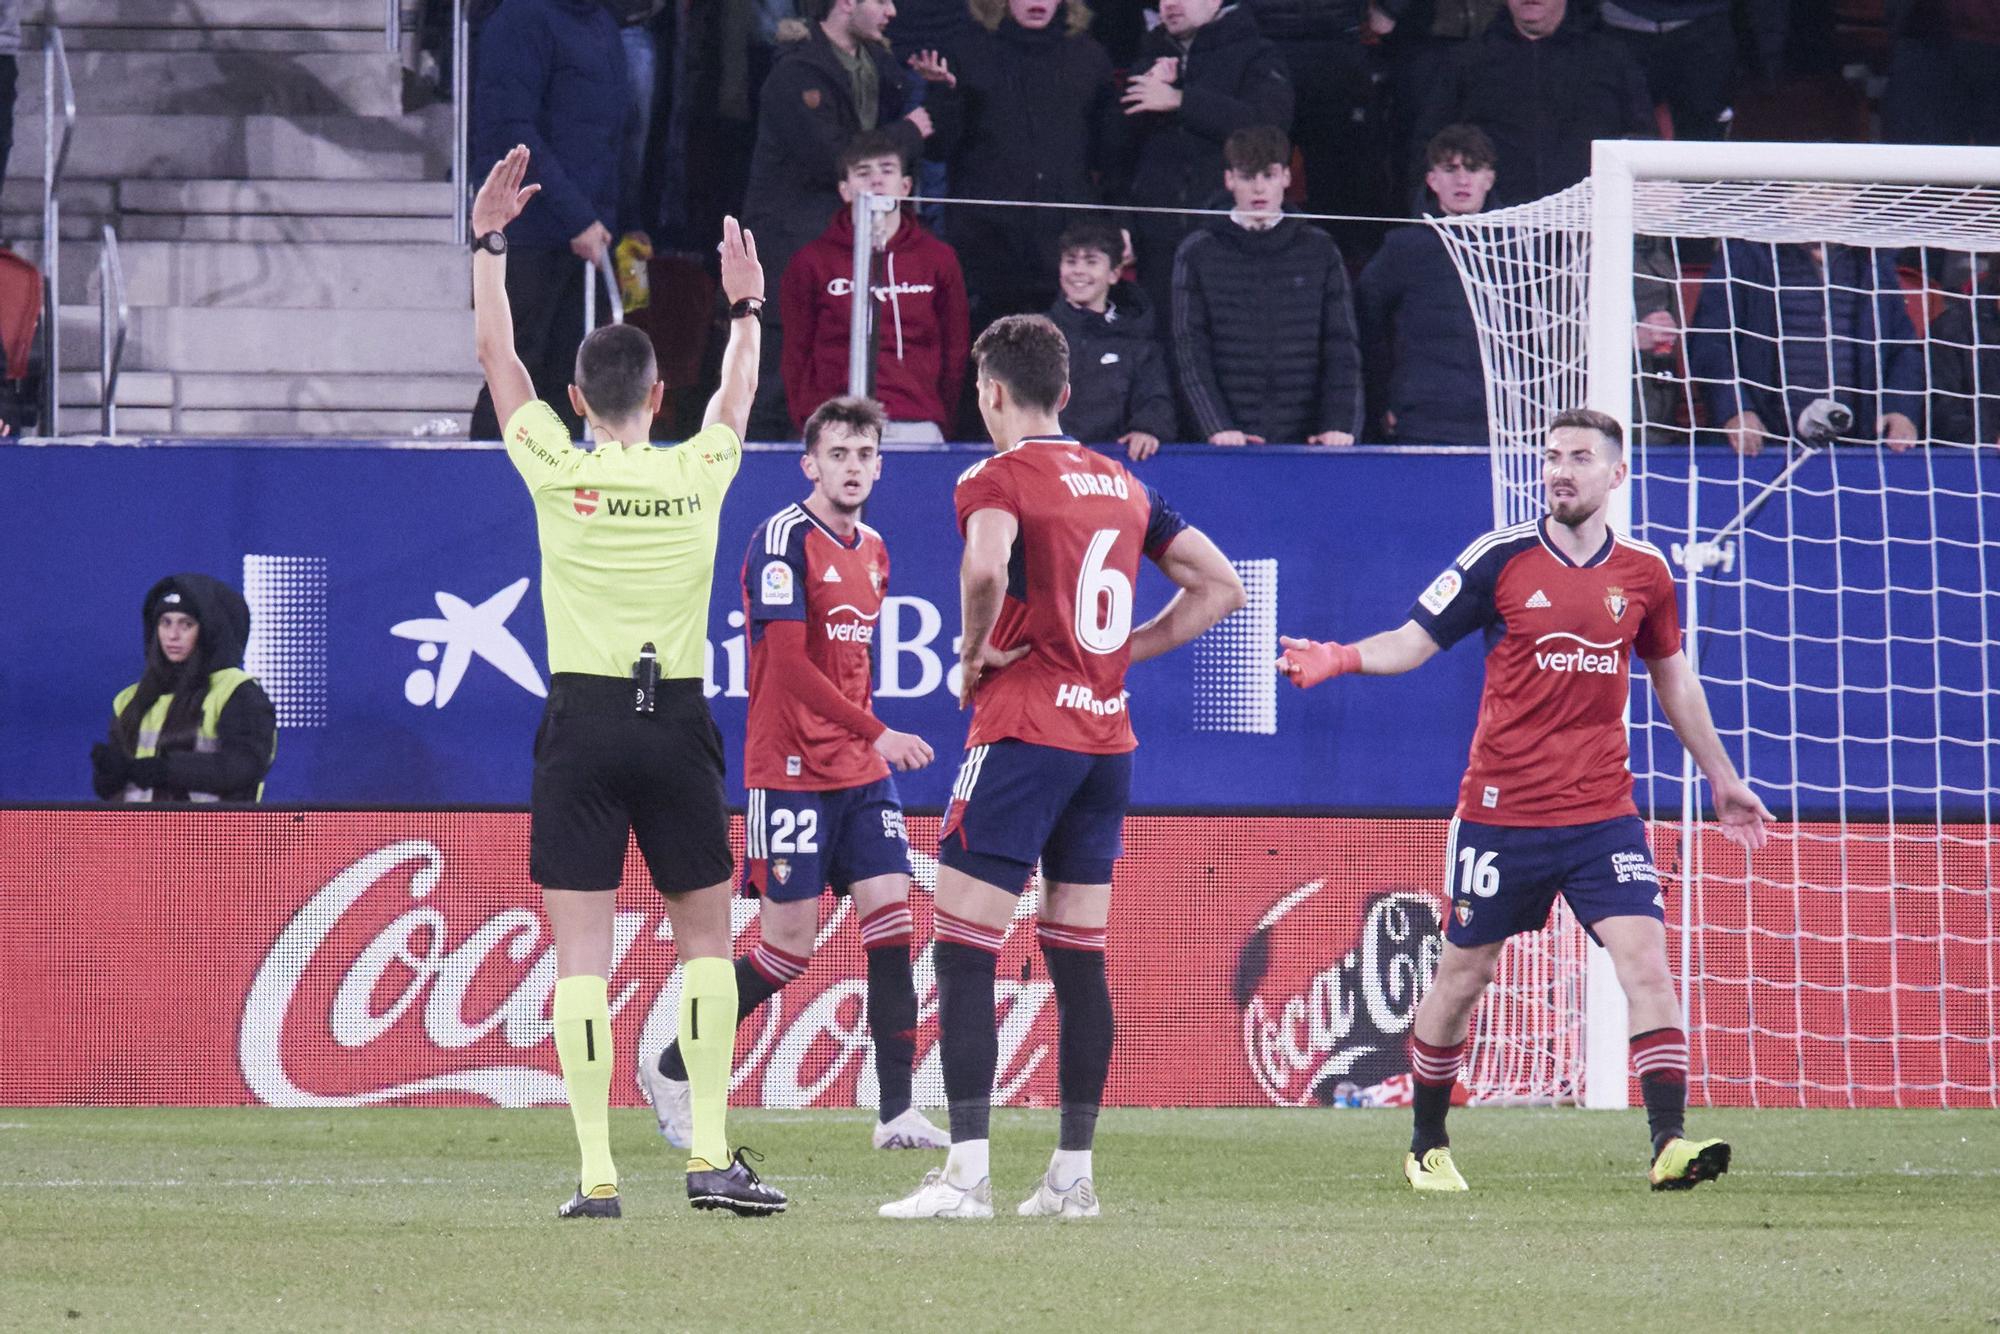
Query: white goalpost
point(1839, 306)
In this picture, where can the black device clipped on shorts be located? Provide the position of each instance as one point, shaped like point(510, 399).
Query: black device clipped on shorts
point(646, 679)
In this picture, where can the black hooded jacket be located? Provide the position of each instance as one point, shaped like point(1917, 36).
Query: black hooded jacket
point(248, 726)
point(1117, 373)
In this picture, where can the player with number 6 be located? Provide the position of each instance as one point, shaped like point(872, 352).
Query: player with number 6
point(1546, 807)
point(1053, 537)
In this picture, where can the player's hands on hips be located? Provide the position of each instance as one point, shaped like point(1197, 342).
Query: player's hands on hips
point(1741, 814)
point(903, 750)
point(590, 244)
point(973, 666)
point(501, 199)
point(742, 275)
point(1307, 662)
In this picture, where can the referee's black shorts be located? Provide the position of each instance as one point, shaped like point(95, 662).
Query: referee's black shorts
point(602, 768)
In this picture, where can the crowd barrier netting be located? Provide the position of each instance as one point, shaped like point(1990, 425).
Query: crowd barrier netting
point(345, 958)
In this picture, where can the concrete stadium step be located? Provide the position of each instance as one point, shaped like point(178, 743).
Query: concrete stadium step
point(323, 15)
point(411, 147)
point(430, 395)
point(309, 342)
point(280, 424)
point(237, 83)
point(136, 389)
point(76, 39)
point(277, 275)
point(218, 227)
point(369, 199)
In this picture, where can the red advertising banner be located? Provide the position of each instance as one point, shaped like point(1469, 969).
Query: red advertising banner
point(308, 959)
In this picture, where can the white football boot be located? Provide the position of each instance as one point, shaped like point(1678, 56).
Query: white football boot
point(1079, 1200)
point(673, 1103)
point(938, 1198)
point(911, 1130)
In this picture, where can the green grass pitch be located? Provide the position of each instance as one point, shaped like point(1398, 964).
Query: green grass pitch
point(1226, 1220)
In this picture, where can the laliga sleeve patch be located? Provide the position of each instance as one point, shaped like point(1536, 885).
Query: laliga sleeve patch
point(1439, 595)
point(778, 586)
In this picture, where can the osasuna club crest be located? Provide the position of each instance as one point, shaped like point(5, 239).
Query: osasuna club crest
point(1615, 603)
point(781, 870)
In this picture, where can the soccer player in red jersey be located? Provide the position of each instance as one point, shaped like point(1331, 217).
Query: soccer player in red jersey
point(822, 808)
point(1053, 536)
point(1546, 804)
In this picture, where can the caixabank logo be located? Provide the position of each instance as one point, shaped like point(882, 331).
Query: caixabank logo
point(1317, 1014)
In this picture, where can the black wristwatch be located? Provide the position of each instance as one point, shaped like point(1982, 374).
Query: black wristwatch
point(493, 243)
point(750, 307)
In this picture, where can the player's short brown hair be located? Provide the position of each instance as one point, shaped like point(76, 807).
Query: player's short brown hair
point(1257, 148)
point(616, 369)
point(869, 145)
point(1466, 143)
point(1029, 355)
point(861, 416)
point(1089, 235)
point(1589, 419)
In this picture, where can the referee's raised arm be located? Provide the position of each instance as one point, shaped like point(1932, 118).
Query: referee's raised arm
point(499, 201)
point(743, 285)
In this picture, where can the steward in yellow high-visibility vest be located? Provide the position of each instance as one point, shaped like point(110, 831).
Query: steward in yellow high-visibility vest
point(196, 726)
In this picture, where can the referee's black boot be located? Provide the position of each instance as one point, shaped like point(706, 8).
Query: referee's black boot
point(590, 1206)
point(735, 1188)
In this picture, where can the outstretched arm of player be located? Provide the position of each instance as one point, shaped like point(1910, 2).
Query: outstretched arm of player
point(1737, 809)
point(499, 202)
point(742, 280)
point(1209, 591)
point(1307, 662)
point(982, 587)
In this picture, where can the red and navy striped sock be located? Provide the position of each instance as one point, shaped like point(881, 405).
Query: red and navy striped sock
point(1433, 1074)
point(1660, 1059)
point(965, 957)
point(892, 1004)
point(1075, 959)
point(760, 975)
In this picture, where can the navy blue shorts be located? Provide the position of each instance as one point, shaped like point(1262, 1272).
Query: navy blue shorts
point(1503, 880)
point(801, 842)
point(1015, 803)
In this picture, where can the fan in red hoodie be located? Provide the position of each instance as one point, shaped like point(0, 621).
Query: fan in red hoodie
point(921, 338)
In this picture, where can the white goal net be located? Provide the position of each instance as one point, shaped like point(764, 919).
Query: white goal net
point(1805, 341)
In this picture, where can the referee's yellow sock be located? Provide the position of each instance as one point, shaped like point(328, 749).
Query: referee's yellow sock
point(708, 1045)
point(583, 1043)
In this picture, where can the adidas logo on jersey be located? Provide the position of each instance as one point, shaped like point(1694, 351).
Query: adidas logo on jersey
point(1539, 601)
point(832, 576)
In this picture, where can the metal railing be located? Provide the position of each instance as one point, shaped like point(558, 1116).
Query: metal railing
point(57, 90)
point(461, 97)
point(112, 309)
point(392, 27)
point(860, 365)
point(591, 273)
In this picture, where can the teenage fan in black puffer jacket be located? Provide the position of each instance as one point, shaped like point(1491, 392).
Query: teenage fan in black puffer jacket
point(1265, 347)
point(1118, 386)
point(1221, 75)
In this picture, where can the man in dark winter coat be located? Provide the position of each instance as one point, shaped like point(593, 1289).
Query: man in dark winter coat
point(1779, 326)
point(1264, 336)
point(1118, 386)
point(833, 78)
point(1965, 367)
point(1333, 124)
point(551, 75)
point(1687, 51)
point(1418, 342)
point(1542, 83)
point(921, 339)
point(1041, 120)
point(1203, 74)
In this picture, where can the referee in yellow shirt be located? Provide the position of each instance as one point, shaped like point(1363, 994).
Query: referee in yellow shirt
point(628, 534)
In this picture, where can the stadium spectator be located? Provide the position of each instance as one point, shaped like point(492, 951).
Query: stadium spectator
point(1542, 83)
point(1661, 388)
point(1687, 51)
point(1333, 77)
point(551, 75)
point(1119, 388)
point(921, 337)
point(1965, 366)
point(1419, 347)
point(1417, 39)
point(195, 726)
point(1779, 326)
point(1263, 335)
point(1942, 85)
point(1041, 120)
point(1204, 73)
point(834, 78)
point(639, 24)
